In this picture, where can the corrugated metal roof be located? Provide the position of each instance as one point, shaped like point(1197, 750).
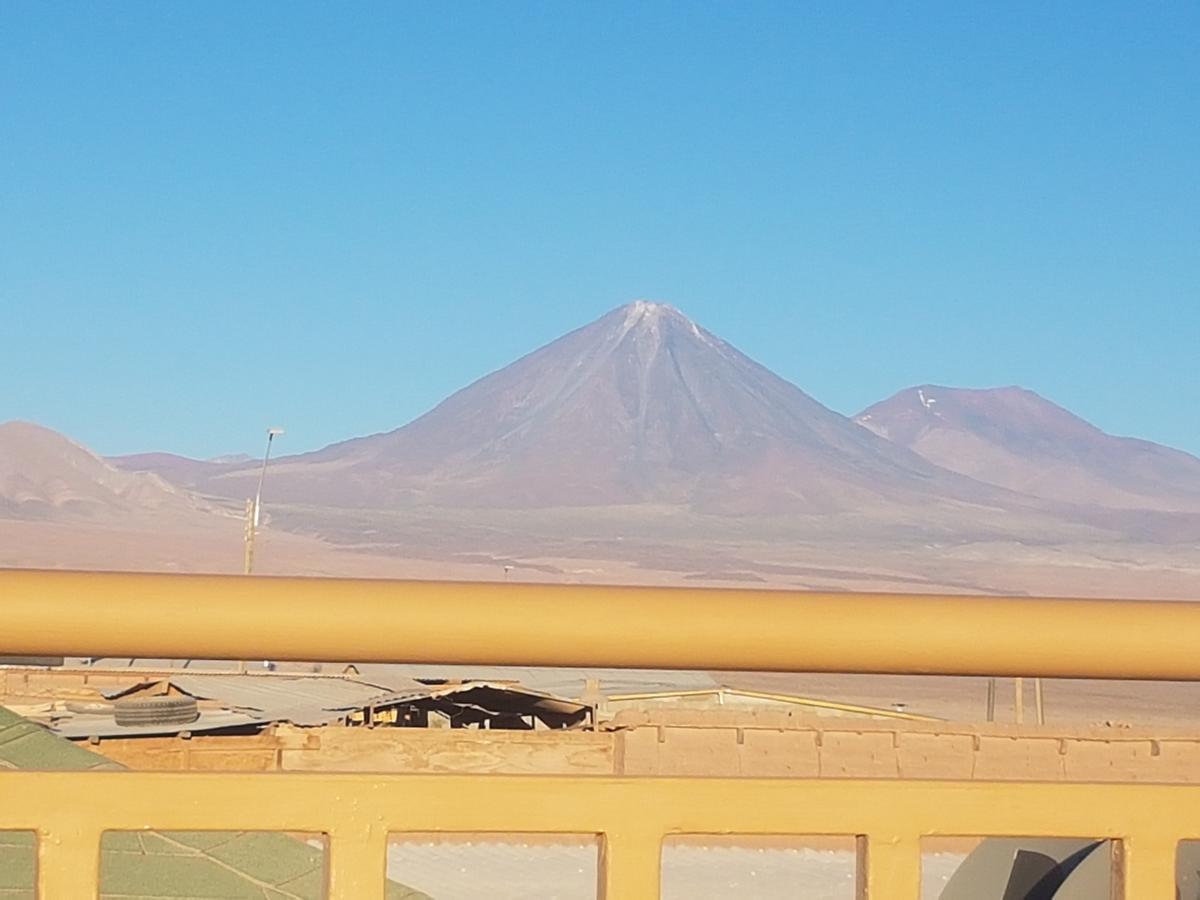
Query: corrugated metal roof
point(561, 682)
point(119, 690)
point(784, 699)
point(311, 700)
point(86, 726)
point(300, 700)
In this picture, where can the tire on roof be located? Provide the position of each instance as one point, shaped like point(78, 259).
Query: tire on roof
point(156, 711)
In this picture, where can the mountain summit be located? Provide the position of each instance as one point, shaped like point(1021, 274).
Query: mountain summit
point(640, 406)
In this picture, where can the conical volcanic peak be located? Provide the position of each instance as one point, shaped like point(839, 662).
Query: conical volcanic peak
point(648, 314)
point(647, 320)
point(1014, 438)
point(640, 406)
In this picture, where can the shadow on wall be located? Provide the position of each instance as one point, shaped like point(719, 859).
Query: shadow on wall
point(1054, 869)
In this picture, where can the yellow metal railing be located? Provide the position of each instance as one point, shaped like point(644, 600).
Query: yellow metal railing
point(74, 614)
point(233, 617)
point(359, 812)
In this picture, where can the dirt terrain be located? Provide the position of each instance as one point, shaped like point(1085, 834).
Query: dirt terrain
point(217, 548)
point(1067, 701)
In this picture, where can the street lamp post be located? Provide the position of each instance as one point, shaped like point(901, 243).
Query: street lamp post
point(254, 507)
point(254, 516)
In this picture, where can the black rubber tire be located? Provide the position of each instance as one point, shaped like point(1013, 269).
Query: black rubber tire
point(159, 703)
point(156, 711)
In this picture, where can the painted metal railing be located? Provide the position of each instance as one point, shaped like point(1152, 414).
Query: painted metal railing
point(74, 614)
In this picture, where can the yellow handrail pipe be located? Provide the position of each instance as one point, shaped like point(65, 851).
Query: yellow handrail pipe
point(234, 617)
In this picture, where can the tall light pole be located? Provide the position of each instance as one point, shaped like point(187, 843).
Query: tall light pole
point(253, 516)
point(254, 507)
point(271, 432)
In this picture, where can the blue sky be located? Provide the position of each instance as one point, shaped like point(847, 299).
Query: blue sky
point(218, 217)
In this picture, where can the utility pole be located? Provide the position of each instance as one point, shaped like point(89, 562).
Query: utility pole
point(253, 516)
point(248, 537)
point(254, 507)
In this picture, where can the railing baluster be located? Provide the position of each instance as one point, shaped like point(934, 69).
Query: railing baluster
point(68, 862)
point(1146, 868)
point(357, 863)
point(630, 865)
point(889, 868)
point(1145, 821)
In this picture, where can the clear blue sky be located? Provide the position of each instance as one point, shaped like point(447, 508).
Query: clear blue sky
point(215, 217)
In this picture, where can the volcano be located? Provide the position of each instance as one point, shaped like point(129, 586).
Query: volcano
point(642, 406)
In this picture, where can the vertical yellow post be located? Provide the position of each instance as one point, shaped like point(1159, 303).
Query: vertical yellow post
point(1019, 699)
point(630, 865)
point(68, 862)
point(1039, 701)
point(357, 863)
point(889, 868)
point(1145, 867)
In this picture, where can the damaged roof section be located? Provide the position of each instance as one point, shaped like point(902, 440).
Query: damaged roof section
point(476, 702)
point(302, 700)
point(248, 702)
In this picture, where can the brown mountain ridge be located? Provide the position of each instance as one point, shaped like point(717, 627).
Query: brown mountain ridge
point(46, 476)
point(1013, 438)
point(643, 411)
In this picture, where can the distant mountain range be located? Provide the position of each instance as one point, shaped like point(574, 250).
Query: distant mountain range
point(1015, 439)
point(643, 409)
point(640, 407)
point(45, 476)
